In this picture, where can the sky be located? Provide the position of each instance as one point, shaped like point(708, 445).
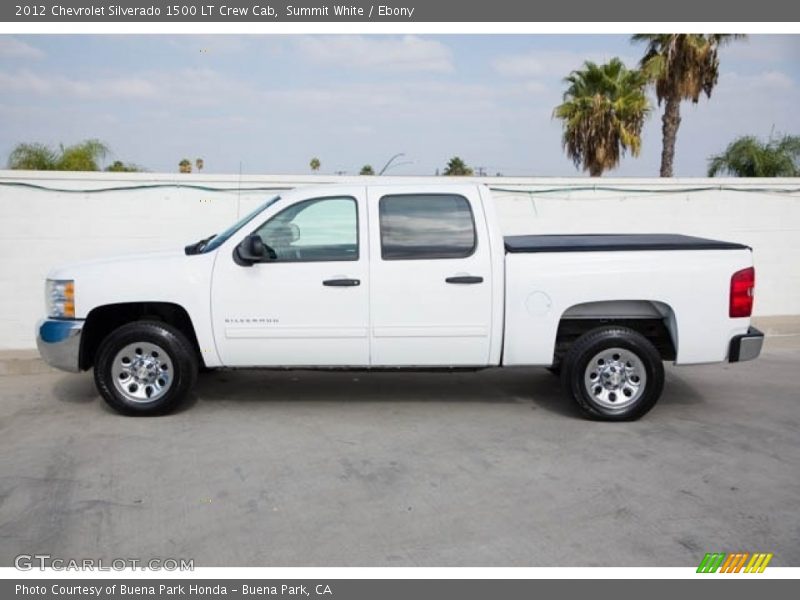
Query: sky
point(267, 104)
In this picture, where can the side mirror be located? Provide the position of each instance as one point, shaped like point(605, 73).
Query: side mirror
point(295, 232)
point(250, 251)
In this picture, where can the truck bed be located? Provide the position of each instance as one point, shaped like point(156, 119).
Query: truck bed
point(613, 242)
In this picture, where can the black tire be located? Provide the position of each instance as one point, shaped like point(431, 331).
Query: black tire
point(179, 351)
point(574, 373)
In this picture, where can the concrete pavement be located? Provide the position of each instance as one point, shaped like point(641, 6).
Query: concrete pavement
point(493, 468)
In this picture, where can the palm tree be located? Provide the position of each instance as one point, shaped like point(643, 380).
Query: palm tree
point(314, 164)
point(367, 170)
point(199, 163)
point(83, 156)
point(457, 167)
point(185, 166)
point(603, 113)
point(749, 157)
point(682, 66)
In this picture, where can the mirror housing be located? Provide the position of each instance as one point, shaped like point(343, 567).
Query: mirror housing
point(295, 232)
point(250, 250)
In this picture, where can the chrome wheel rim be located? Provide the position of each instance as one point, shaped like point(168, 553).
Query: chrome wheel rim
point(615, 378)
point(142, 372)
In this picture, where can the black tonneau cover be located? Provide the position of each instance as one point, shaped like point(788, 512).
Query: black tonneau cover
point(613, 242)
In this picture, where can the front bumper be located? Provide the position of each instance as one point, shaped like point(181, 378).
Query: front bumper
point(746, 346)
point(59, 343)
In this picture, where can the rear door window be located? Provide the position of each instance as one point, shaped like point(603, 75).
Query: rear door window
point(426, 226)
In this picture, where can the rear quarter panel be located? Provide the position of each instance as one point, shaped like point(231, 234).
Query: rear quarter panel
point(695, 285)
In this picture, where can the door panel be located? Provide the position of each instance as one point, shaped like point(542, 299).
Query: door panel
point(419, 241)
point(284, 312)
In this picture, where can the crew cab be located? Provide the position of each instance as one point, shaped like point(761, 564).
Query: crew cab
point(402, 277)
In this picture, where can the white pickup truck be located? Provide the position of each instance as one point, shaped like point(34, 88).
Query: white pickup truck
point(402, 277)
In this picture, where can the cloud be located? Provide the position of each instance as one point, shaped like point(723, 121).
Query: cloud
point(535, 87)
point(126, 88)
point(551, 63)
point(765, 84)
point(762, 48)
point(214, 44)
point(409, 53)
point(13, 48)
point(414, 100)
point(26, 81)
point(775, 80)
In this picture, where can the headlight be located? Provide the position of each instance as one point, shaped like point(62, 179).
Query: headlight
point(59, 297)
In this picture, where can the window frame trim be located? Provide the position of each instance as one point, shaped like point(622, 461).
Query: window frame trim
point(475, 240)
point(357, 256)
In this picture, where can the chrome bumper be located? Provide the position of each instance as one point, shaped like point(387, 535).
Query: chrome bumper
point(746, 346)
point(59, 343)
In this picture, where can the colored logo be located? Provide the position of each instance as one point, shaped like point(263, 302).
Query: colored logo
point(721, 562)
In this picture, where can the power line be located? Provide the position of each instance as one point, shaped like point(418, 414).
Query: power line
point(513, 190)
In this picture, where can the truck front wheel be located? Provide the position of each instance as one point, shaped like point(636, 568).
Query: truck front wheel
point(613, 374)
point(145, 368)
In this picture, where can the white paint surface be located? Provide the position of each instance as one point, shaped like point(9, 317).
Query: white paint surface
point(40, 229)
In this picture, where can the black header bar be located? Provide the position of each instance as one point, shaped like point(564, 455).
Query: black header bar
point(460, 11)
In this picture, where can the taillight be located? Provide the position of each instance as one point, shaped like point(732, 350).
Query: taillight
point(743, 284)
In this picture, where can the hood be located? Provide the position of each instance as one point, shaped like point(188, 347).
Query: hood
point(75, 269)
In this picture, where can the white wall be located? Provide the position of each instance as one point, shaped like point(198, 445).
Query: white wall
point(42, 228)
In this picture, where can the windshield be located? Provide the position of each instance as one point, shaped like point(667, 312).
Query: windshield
point(221, 238)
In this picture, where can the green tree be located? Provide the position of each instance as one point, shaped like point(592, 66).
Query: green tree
point(199, 163)
point(747, 156)
point(682, 67)
point(314, 164)
point(367, 170)
point(457, 167)
point(602, 114)
point(120, 167)
point(185, 166)
point(33, 157)
point(83, 156)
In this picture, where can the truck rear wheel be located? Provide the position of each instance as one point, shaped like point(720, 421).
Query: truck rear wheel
point(613, 374)
point(145, 368)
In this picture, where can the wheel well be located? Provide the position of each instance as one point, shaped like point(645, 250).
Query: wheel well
point(653, 320)
point(104, 319)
